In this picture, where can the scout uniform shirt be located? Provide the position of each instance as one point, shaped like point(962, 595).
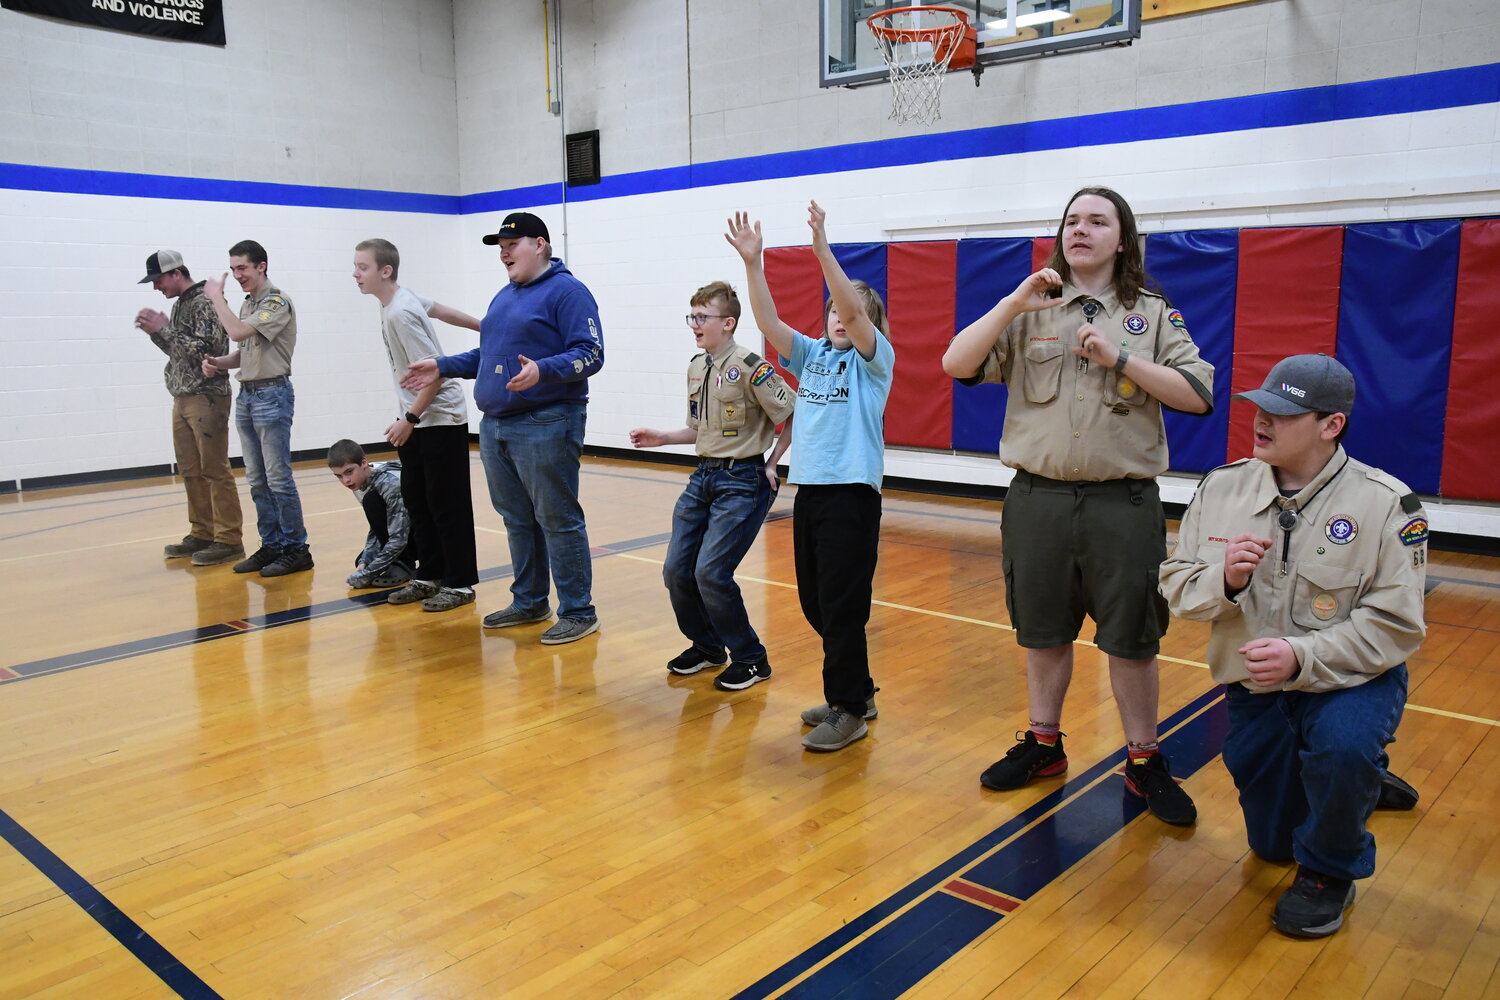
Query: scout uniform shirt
point(268, 353)
point(1072, 419)
point(735, 401)
point(1342, 582)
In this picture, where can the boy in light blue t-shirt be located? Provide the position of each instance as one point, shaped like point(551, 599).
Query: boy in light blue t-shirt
point(843, 380)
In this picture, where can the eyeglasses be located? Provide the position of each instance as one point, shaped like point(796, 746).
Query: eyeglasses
point(698, 319)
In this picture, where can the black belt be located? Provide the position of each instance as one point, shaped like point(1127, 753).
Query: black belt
point(729, 463)
point(256, 383)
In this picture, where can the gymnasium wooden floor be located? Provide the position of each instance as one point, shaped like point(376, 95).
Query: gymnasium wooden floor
point(222, 786)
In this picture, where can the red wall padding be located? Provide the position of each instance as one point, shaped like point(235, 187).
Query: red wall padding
point(796, 283)
point(1041, 249)
point(1471, 435)
point(920, 283)
point(1287, 303)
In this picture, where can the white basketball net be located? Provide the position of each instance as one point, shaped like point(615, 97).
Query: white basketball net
point(917, 60)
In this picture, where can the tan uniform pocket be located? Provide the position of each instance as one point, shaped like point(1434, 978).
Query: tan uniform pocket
point(1043, 375)
point(1324, 595)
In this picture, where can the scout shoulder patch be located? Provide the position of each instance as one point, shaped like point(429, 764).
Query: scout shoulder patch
point(1411, 503)
point(1414, 532)
point(273, 303)
point(1175, 318)
point(761, 373)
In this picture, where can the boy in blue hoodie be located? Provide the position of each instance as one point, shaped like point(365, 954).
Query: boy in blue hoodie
point(538, 344)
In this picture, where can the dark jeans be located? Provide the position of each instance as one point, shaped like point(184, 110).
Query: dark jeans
point(715, 522)
point(1308, 769)
point(531, 462)
point(835, 540)
point(435, 488)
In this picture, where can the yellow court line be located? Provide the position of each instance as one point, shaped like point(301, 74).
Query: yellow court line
point(1079, 642)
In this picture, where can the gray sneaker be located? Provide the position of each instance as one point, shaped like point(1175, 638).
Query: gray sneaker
point(569, 630)
point(814, 716)
point(218, 552)
point(186, 547)
point(448, 598)
point(506, 617)
point(417, 590)
point(837, 730)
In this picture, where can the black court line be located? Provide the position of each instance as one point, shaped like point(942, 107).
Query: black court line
point(183, 981)
point(276, 619)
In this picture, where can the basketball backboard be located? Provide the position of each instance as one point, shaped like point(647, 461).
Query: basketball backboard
point(1008, 29)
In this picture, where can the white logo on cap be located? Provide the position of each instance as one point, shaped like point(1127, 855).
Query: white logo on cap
point(1292, 389)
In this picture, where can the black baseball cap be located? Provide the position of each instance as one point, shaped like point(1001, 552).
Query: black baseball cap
point(1304, 383)
point(161, 263)
point(516, 225)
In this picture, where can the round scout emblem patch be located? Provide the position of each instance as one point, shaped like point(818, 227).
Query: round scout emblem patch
point(1324, 606)
point(733, 374)
point(1127, 387)
point(1135, 324)
point(1175, 318)
point(1341, 530)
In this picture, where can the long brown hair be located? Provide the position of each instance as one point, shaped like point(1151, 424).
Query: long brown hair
point(1130, 265)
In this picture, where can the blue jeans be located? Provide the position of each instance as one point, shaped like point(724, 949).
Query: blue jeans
point(1308, 769)
point(263, 416)
point(531, 464)
point(716, 520)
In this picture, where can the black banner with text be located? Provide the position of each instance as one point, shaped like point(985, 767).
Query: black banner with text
point(189, 20)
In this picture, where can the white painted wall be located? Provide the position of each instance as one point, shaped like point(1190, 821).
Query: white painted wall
point(460, 106)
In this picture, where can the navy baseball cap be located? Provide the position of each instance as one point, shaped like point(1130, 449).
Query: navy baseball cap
point(1304, 383)
point(516, 225)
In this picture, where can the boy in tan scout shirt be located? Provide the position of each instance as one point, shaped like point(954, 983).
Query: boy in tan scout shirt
point(265, 332)
point(1310, 566)
point(735, 400)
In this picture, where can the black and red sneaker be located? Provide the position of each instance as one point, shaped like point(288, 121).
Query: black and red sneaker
point(1152, 780)
point(1026, 760)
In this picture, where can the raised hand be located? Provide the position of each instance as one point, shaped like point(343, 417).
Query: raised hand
point(1031, 294)
point(817, 221)
point(745, 237)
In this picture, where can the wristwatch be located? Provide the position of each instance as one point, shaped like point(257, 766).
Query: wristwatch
point(412, 418)
point(1119, 362)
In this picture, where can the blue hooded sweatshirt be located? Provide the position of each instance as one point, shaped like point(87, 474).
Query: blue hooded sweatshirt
point(552, 320)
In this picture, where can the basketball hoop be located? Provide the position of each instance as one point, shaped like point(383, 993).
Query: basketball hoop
point(920, 45)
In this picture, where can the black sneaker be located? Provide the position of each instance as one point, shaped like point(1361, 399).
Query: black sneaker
point(738, 675)
point(257, 561)
point(1314, 906)
point(1396, 794)
point(1152, 780)
point(186, 547)
point(1026, 760)
point(693, 659)
point(289, 561)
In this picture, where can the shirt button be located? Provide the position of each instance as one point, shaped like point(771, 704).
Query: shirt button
point(1077, 434)
point(1080, 399)
point(1075, 472)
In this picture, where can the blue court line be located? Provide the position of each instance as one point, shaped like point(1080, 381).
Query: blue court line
point(1451, 88)
point(183, 981)
point(902, 939)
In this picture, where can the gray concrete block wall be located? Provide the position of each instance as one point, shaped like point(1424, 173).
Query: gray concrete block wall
point(344, 93)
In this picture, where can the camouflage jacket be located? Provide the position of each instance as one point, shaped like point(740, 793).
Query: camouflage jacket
point(193, 331)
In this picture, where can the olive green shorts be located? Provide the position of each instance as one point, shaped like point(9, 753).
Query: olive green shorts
point(1075, 549)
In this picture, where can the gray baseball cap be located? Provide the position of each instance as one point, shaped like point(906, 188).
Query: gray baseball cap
point(160, 263)
point(1304, 383)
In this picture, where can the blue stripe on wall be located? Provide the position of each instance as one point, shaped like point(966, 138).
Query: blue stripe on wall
point(1396, 336)
point(862, 262)
point(987, 271)
point(1397, 95)
point(1199, 272)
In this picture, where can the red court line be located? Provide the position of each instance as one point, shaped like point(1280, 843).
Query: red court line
point(982, 896)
